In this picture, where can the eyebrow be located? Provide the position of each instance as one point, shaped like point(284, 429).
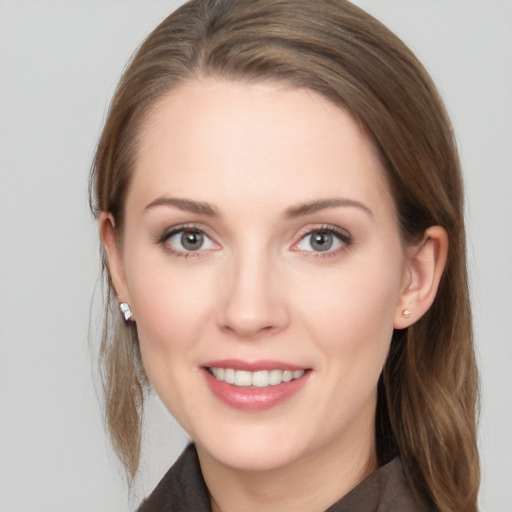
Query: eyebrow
point(187, 205)
point(303, 209)
point(300, 210)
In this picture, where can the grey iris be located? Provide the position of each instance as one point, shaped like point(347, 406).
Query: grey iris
point(321, 241)
point(192, 240)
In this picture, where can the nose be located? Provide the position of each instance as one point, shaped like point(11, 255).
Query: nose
point(253, 297)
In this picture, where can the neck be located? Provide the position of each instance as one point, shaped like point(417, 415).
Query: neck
point(312, 484)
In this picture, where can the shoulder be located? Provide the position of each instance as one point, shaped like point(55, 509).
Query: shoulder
point(181, 489)
point(386, 490)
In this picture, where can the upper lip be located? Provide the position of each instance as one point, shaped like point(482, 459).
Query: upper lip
point(253, 366)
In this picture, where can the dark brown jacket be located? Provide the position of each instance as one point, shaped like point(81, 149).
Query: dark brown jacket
point(183, 490)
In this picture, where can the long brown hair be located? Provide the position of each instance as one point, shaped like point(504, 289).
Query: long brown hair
point(428, 390)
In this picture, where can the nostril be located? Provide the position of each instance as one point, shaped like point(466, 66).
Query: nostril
point(249, 331)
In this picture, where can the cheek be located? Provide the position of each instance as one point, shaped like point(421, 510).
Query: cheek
point(351, 309)
point(170, 304)
point(171, 309)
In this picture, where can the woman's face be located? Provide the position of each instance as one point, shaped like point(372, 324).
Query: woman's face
point(261, 245)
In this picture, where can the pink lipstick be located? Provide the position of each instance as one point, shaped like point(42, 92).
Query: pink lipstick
point(254, 386)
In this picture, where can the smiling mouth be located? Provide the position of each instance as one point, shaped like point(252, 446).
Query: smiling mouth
point(258, 379)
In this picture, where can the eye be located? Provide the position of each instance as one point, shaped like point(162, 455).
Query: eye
point(323, 240)
point(187, 240)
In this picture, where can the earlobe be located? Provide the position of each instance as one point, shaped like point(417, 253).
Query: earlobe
point(425, 262)
point(115, 266)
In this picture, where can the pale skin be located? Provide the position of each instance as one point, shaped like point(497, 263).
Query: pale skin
point(300, 260)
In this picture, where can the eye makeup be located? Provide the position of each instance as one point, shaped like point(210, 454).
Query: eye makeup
point(324, 241)
point(186, 241)
point(190, 240)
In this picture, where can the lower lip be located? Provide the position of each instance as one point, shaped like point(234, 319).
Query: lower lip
point(254, 399)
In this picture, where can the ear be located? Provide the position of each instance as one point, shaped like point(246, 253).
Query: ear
point(109, 239)
point(425, 265)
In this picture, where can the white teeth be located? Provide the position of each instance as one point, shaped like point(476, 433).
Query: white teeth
point(287, 376)
point(219, 373)
point(243, 378)
point(229, 375)
point(275, 377)
point(259, 379)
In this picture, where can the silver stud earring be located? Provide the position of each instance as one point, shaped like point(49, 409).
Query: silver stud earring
point(406, 313)
point(410, 287)
point(126, 312)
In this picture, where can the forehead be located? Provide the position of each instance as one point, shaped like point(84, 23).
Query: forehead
point(223, 141)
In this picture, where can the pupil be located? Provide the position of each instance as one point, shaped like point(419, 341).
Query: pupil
point(191, 240)
point(321, 241)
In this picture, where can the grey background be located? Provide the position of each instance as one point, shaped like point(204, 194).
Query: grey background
point(59, 63)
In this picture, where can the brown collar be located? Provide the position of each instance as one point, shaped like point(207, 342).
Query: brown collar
point(183, 489)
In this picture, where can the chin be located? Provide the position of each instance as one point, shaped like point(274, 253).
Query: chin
point(252, 458)
point(252, 450)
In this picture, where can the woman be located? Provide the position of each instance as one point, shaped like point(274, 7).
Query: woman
point(280, 206)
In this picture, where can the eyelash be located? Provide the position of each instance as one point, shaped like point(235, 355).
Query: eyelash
point(167, 235)
point(343, 237)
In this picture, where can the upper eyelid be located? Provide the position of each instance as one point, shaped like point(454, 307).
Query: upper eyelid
point(301, 234)
point(164, 235)
point(343, 236)
point(172, 230)
point(164, 241)
point(324, 227)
